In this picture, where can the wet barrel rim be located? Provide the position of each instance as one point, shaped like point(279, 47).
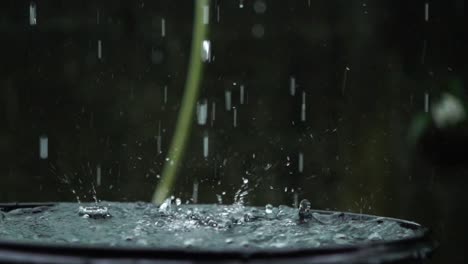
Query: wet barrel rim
point(418, 246)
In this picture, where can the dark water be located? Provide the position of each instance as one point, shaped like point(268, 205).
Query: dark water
point(206, 227)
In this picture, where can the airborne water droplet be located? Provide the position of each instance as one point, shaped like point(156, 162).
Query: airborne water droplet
point(206, 51)
point(43, 147)
point(32, 14)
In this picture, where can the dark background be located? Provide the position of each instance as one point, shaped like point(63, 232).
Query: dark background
point(110, 112)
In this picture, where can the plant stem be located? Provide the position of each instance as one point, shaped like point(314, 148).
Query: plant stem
point(184, 121)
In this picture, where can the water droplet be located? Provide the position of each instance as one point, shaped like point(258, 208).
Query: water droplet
point(228, 99)
point(195, 192)
point(205, 146)
point(206, 14)
point(157, 56)
point(99, 49)
point(234, 113)
point(178, 201)
point(260, 6)
point(426, 102)
point(300, 166)
point(245, 180)
point(258, 30)
point(165, 206)
point(163, 27)
point(268, 208)
point(292, 85)
point(32, 14)
point(241, 91)
point(206, 51)
point(304, 209)
point(98, 175)
point(202, 112)
point(303, 107)
point(213, 113)
point(426, 12)
point(43, 147)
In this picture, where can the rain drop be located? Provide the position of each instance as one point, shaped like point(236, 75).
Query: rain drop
point(241, 99)
point(206, 51)
point(345, 78)
point(292, 85)
point(228, 99)
point(260, 6)
point(99, 49)
point(165, 94)
point(98, 175)
point(426, 12)
point(43, 147)
point(163, 27)
point(258, 30)
point(300, 166)
point(202, 112)
point(303, 107)
point(32, 14)
point(195, 192)
point(206, 15)
point(205, 146)
point(426, 102)
point(234, 113)
point(213, 113)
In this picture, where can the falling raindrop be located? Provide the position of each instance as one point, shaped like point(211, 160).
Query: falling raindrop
point(292, 85)
point(426, 102)
point(159, 138)
point(165, 94)
point(300, 166)
point(157, 56)
point(258, 30)
point(426, 12)
point(205, 146)
point(98, 175)
point(296, 200)
point(241, 99)
point(32, 14)
point(423, 54)
point(260, 6)
point(163, 27)
point(195, 192)
point(99, 49)
point(97, 16)
point(202, 112)
point(43, 147)
point(217, 14)
point(303, 107)
point(206, 51)
point(241, 3)
point(234, 113)
point(345, 78)
point(228, 99)
point(213, 113)
point(206, 14)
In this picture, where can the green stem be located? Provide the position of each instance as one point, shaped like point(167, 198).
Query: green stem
point(184, 121)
